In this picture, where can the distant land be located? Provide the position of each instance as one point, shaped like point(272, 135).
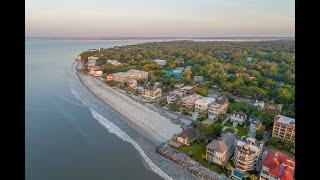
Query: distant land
point(162, 37)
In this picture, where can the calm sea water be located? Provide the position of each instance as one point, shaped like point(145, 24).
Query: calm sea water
point(63, 138)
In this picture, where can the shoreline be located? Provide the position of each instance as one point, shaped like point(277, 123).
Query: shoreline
point(148, 123)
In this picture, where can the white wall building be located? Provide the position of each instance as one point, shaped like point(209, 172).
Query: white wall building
point(201, 105)
point(238, 118)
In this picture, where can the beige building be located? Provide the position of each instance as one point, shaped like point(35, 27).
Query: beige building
point(284, 128)
point(201, 105)
point(174, 96)
point(132, 83)
point(189, 101)
point(247, 154)
point(219, 151)
point(217, 108)
point(151, 93)
point(123, 77)
point(187, 136)
point(91, 61)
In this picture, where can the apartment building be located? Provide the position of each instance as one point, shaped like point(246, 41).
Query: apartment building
point(151, 93)
point(201, 105)
point(188, 101)
point(123, 77)
point(174, 96)
point(218, 107)
point(247, 153)
point(284, 128)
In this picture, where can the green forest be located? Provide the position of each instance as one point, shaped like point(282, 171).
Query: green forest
point(263, 70)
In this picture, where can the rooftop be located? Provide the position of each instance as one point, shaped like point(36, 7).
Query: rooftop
point(192, 97)
point(279, 164)
point(205, 100)
point(223, 144)
point(285, 120)
point(189, 133)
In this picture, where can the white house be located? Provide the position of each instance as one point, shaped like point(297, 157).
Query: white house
point(238, 118)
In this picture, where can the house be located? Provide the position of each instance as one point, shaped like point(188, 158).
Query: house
point(284, 128)
point(160, 62)
point(220, 150)
point(217, 108)
point(91, 61)
point(157, 84)
point(277, 166)
point(249, 60)
point(151, 93)
point(198, 79)
point(247, 153)
point(187, 136)
point(174, 96)
point(186, 89)
point(201, 105)
point(178, 70)
point(238, 118)
point(178, 85)
point(188, 101)
point(114, 62)
point(95, 71)
point(188, 68)
point(255, 125)
point(132, 83)
point(259, 104)
point(109, 77)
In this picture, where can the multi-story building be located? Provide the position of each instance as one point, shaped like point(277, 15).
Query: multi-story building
point(277, 166)
point(219, 151)
point(217, 108)
point(123, 77)
point(174, 96)
point(132, 83)
point(151, 93)
point(91, 61)
point(238, 118)
point(284, 128)
point(188, 101)
point(201, 105)
point(95, 71)
point(247, 153)
point(186, 89)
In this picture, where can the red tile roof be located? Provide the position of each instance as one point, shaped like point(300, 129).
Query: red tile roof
point(280, 164)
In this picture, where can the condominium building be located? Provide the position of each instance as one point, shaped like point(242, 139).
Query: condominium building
point(123, 77)
point(201, 105)
point(284, 128)
point(188, 101)
point(220, 150)
point(247, 153)
point(217, 108)
point(95, 71)
point(277, 166)
point(151, 93)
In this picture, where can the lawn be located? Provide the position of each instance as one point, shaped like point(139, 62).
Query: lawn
point(228, 124)
point(230, 129)
point(241, 131)
point(198, 151)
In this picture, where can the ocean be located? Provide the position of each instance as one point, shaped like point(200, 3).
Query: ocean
point(70, 134)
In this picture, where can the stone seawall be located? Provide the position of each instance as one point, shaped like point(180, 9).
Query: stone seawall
point(187, 163)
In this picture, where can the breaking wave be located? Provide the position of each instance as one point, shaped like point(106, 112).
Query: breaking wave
point(113, 129)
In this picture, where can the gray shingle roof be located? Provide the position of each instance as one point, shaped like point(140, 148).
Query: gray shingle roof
point(189, 133)
point(223, 145)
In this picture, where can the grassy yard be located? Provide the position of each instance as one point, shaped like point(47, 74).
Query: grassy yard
point(241, 131)
point(198, 151)
point(228, 124)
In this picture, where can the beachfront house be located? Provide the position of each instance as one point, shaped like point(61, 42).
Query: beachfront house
point(188, 101)
point(174, 96)
point(238, 118)
point(218, 107)
point(187, 136)
point(201, 105)
point(247, 153)
point(277, 166)
point(95, 71)
point(220, 150)
point(152, 93)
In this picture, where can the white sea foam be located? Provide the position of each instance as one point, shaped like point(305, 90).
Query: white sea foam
point(112, 128)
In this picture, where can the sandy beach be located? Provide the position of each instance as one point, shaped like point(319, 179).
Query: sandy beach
point(159, 127)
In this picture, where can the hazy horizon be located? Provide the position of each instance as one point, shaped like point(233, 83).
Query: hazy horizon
point(142, 18)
